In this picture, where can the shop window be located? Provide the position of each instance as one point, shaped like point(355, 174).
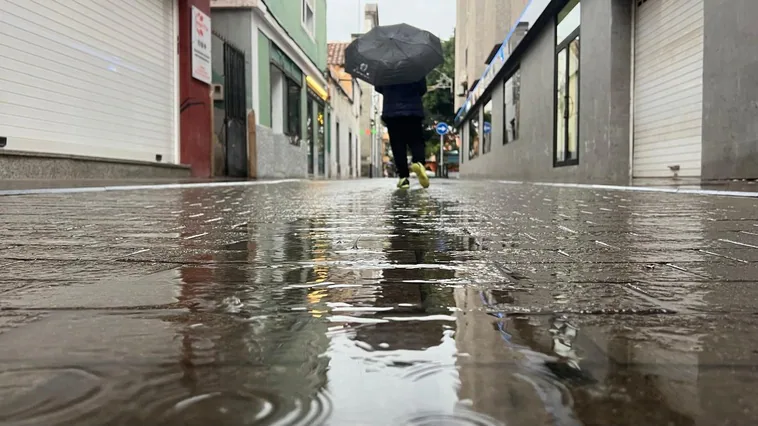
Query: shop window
point(309, 133)
point(511, 107)
point(487, 127)
point(473, 136)
point(286, 116)
point(321, 139)
point(566, 148)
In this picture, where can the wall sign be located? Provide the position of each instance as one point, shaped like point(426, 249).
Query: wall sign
point(201, 46)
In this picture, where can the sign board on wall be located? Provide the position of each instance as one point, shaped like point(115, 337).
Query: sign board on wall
point(201, 46)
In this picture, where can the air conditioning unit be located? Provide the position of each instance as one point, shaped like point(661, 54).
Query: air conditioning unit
point(218, 92)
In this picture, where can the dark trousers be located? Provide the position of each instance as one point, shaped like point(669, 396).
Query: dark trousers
point(406, 132)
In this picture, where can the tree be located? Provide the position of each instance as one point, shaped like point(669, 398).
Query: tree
point(439, 105)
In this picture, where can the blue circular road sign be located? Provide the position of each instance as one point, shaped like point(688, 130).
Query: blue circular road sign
point(442, 128)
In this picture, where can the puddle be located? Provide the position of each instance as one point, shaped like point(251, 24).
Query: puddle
point(350, 304)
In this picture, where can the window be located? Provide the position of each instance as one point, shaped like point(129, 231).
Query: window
point(309, 134)
point(308, 17)
point(511, 107)
point(487, 127)
point(293, 108)
point(285, 105)
point(566, 150)
point(473, 136)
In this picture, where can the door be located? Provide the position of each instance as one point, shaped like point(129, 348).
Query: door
point(94, 78)
point(350, 152)
point(337, 148)
point(321, 142)
point(309, 134)
point(235, 119)
point(668, 88)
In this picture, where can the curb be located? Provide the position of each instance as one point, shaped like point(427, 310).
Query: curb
point(139, 187)
point(741, 194)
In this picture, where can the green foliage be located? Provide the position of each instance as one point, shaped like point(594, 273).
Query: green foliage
point(439, 105)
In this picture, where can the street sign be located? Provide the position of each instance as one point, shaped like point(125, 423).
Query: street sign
point(487, 127)
point(442, 129)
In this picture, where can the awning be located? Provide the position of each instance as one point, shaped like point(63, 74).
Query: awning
point(313, 85)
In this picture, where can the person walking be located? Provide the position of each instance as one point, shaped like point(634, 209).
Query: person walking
point(403, 113)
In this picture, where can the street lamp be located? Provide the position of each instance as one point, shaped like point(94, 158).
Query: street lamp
point(444, 82)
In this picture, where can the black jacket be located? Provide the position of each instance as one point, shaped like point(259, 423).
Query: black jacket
point(403, 100)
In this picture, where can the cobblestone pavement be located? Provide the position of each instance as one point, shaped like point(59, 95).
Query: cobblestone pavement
point(350, 303)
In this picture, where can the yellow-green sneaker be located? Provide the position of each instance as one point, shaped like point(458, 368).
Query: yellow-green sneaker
point(420, 171)
point(403, 183)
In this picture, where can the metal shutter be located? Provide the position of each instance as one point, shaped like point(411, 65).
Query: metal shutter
point(668, 88)
point(94, 78)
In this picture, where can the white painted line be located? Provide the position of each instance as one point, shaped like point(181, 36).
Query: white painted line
point(737, 243)
point(744, 194)
point(44, 191)
point(192, 237)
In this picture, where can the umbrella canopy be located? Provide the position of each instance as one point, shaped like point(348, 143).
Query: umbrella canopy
point(393, 54)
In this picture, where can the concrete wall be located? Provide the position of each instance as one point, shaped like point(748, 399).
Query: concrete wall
point(344, 113)
point(603, 106)
point(16, 165)
point(288, 14)
point(730, 90)
point(278, 158)
point(264, 80)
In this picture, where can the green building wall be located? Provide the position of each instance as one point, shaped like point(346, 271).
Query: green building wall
point(287, 13)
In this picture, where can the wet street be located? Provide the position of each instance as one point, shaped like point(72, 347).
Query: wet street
point(350, 303)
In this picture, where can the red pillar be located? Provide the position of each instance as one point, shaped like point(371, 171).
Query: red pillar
point(195, 127)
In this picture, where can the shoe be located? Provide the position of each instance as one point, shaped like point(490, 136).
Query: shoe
point(420, 171)
point(404, 183)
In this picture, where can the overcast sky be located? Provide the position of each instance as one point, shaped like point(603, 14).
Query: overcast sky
point(345, 17)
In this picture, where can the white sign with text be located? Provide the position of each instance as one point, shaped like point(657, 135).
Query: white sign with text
point(201, 46)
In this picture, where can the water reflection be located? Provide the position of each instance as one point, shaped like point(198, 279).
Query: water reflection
point(409, 356)
point(390, 308)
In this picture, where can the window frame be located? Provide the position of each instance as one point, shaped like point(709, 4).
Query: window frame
point(473, 148)
point(486, 138)
point(564, 45)
point(296, 136)
point(304, 6)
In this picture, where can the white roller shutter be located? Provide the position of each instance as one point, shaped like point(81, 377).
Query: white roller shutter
point(89, 77)
point(668, 88)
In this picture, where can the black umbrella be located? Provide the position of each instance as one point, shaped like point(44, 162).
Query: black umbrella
point(393, 54)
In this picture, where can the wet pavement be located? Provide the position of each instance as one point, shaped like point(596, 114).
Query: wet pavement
point(349, 303)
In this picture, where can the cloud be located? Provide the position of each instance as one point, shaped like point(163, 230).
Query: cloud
point(345, 17)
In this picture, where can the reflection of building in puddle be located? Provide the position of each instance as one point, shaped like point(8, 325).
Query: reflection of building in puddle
point(498, 377)
point(250, 346)
point(564, 333)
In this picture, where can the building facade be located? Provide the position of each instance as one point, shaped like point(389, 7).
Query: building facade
point(83, 95)
point(370, 109)
point(284, 46)
point(345, 95)
point(612, 90)
point(480, 27)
